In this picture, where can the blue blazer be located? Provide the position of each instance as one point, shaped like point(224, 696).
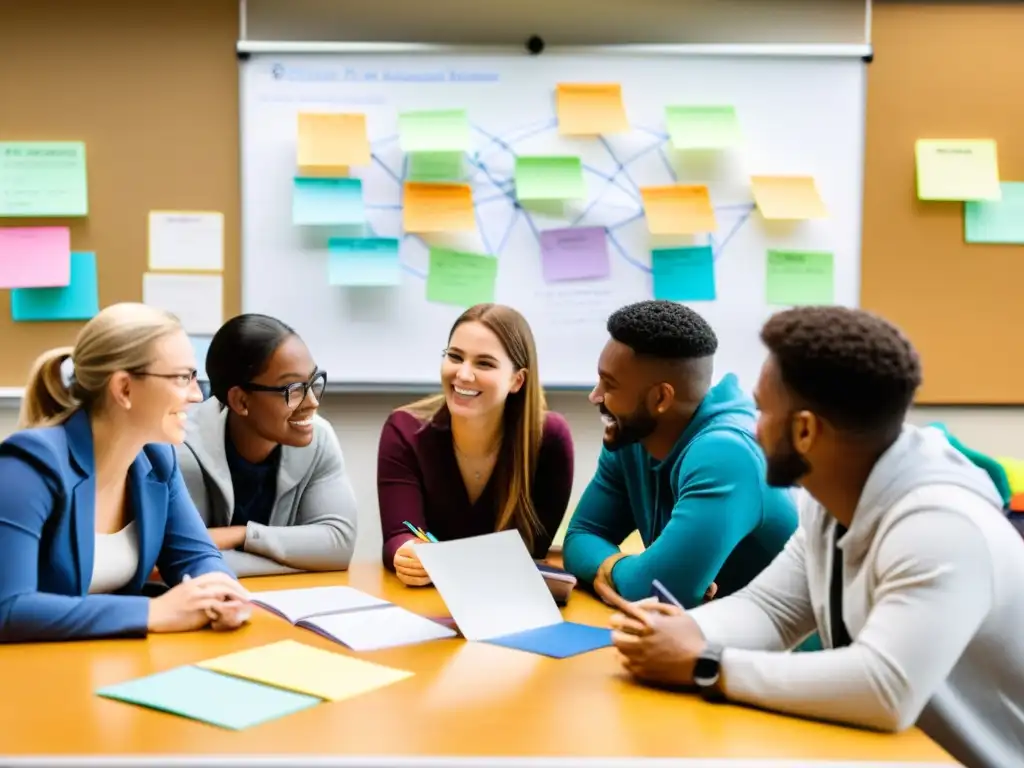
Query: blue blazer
point(47, 536)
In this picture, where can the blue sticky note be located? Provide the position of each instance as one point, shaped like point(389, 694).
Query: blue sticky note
point(210, 697)
point(318, 201)
point(201, 347)
point(996, 221)
point(78, 300)
point(559, 641)
point(363, 261)
point(684, 274)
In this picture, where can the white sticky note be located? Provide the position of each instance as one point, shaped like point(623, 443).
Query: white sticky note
point(490, 584)
point(186, 240)
point(197, 300)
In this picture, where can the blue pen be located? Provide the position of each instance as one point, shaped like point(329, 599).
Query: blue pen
point(664, 596)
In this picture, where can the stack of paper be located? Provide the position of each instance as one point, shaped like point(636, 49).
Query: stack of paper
point(496, 594)
point(355, 619)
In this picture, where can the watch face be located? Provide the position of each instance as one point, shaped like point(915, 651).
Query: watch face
point(705, 671)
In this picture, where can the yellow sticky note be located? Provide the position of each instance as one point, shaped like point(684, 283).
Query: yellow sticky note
point(788, 197)
point(305, 669)
point(330, 143)
point(590, 109)
point(957, 169)
point(678, 209)
point(437, 208)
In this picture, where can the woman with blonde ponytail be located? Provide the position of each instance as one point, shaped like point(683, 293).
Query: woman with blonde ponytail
point(92, 496)
point(485, 455)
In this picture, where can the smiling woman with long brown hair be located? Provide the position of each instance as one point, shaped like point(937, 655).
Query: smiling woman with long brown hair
point(485, 455)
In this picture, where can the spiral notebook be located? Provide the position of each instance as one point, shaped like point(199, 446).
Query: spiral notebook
point(353, 618)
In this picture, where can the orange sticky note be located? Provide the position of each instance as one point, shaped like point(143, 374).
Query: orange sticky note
point(437, 208)
point(679, 209)
point(590, 109)
point(329, 143)
point(788, 197)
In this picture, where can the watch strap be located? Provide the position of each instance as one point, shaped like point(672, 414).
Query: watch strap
point(710, 681)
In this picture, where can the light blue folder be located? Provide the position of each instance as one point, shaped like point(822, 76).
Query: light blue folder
point(209, 697)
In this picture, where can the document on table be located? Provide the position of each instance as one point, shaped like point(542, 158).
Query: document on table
point(353, 618)
point(496, 594)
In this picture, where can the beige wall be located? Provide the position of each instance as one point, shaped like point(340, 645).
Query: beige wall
point(358, 418)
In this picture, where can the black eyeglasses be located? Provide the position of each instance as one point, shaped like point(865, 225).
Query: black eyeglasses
point(295, 393)
point(181, 379)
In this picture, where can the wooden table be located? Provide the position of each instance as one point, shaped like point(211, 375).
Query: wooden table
point(466, 699)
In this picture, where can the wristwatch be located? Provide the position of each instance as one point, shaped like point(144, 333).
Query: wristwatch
point(707, 673)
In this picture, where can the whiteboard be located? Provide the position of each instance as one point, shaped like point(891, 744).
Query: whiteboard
point(798, 115)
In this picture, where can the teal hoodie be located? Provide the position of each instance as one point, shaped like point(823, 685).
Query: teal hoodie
point(705, 514)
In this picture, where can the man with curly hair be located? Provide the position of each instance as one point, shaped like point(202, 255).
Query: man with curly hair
point(680, 464)
point(904, 562)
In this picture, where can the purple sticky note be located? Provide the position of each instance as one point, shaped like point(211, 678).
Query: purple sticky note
point(580, 253)
point(35, 257)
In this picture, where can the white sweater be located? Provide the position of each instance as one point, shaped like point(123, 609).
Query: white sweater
point(933, 597)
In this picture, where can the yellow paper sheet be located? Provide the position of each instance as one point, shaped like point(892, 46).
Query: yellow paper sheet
point(957, 169)
point(305, 669)
point(791, 198)
point(590, 109)
point(437, 208)
point(329, 143)
point(679, 209)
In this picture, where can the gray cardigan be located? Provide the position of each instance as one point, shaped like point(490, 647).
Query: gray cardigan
point(313, 522)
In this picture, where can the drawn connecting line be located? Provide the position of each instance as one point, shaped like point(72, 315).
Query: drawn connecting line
point(619, 180)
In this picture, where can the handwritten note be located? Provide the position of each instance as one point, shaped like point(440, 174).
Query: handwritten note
point(996, 221)
point(78, 300)
point(800, 277)
point(957, 169)
point(578, 253)
point(329, 143)
point(35, 257)
point(187, 240)
point(432, 208)
point(318, 201)
point(197, 300)
point(461, 278)
point(436, 166)
point(436, 130)
point(679, 209)
point(363, 261)
point(702, 127)
point(549, 178)
point(590, 109)
point(43, 178)
point(791, 198)
point(684, 274)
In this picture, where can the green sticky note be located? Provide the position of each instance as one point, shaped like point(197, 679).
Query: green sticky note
point(436, 166)
point(703, 127)
point(461, 278)
point(999, 221)
point(43, 178)
point(800, 277)
point(549, 178)
point(436, 130)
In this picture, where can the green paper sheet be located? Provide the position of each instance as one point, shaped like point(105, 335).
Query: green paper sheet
point(800, 277)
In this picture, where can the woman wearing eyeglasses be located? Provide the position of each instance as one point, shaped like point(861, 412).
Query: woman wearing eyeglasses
point(91, 497)
point(265, 471)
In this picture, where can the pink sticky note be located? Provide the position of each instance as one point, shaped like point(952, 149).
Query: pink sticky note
point(35, 257)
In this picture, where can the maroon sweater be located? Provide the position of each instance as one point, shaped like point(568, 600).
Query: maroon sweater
point(418, 480)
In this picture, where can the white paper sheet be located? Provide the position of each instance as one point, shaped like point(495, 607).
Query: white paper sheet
point(186, 240)
point(197, 300)
point(374, 628)
point(297, 604)
point(490, 584)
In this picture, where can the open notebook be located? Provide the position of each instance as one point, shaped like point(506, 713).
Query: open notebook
point(497, 594)
point(355, 619)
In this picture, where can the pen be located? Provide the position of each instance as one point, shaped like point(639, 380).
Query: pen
point(664, 595)
point(419, 533)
